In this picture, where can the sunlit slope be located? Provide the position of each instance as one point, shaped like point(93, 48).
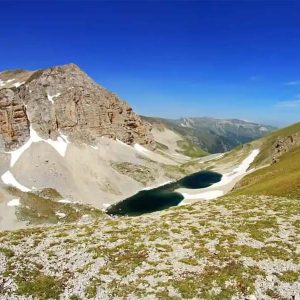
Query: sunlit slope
point(173, 142)
point(279, 179)
point(266, 143)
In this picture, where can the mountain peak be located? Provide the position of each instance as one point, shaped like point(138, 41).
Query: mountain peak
point(64, 99)
point(69, 68)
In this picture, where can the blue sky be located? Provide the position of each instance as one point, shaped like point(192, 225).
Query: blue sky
point(231, 59)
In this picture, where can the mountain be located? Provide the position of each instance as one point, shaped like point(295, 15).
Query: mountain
point(64, 100)
point(213, 135)
point(62, 132)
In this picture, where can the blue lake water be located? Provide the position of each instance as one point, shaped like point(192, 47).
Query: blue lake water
point(162, 197)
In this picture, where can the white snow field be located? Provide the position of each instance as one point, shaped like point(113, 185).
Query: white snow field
point(60, 145)
point(50, 98)
point(14, 202)
point(205, 195)
point(8, 178)
point(17, 84)
point(60, 215)
point(2, 83)
point(141, 149)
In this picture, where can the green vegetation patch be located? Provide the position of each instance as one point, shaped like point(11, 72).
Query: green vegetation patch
point(161, 146)
point(41, 286)
point(139, 173)
point(190, 149)
point(7, 252)
point(289, 276)
point(91, 289)
point(279, 179)
point(41, 207)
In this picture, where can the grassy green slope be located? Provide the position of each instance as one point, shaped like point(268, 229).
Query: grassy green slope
point(280, 179)
point(190, 149)
point(266, 143)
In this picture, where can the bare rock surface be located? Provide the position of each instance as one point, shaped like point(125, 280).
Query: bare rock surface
point(59, 129)
point(64, 99)
point(285, 144)
point(14, 124)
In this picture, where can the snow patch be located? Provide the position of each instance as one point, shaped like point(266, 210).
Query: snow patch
point(17, 153)
point(65, 138)
point(240, 170)
point(122, 143)
point(205, 195)
point(141, 149)
point(60, 215)
point(263, 129)
point(14, 202)
point(17, 84)
point(8, 178)
point(67, 201)
point(2, 83)
point(219, 156)
point(60, 145)
point(50, 98)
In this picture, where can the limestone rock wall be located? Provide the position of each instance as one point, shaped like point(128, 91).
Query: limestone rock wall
point(14, 124)
point(285, 144)
point(66, 100)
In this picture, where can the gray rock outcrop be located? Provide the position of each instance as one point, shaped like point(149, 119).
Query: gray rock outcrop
point(14, 124)
point(284, 144)
point(65, 100)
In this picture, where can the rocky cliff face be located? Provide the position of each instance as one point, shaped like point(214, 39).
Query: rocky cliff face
point(284, 144)
point(14, 124)
point(64, 100)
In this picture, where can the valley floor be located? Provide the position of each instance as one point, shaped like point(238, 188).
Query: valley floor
point(239, 247)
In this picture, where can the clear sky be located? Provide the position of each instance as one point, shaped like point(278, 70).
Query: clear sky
point(232, 59)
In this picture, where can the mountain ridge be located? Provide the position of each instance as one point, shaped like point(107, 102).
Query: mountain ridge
point(64, 98)
point(213, 135)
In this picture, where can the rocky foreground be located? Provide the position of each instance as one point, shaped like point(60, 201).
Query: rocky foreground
point(236, 247)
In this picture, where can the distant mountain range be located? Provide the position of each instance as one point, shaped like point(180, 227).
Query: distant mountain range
point(213, 135)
